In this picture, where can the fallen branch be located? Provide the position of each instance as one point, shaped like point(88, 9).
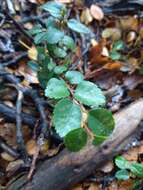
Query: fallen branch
point(67, 169)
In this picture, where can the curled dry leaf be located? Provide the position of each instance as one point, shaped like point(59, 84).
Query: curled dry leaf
point(96, 12)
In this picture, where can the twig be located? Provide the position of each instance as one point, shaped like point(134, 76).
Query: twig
point(15, 59)
point(18, 26)
point(43, 119)
point(19, 135)
point(10, 114)
point(5, 147)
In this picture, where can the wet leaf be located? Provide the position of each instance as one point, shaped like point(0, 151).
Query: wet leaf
point(75, 77)
point(122, 174)
point(77, 26)
point(89, 94)
point(67, 117)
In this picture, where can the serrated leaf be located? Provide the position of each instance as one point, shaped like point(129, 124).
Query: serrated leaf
point(76, 139)
point(89, 94)
point(136, 169)
point(75, 77)
point(122, 174)
point(56, 9)
point(60, 69)
point(67, 117)
point(56, 89)
point(59, 52)
point(122, 163)
point(68, 42)
point(101, 123)
point(76, 26)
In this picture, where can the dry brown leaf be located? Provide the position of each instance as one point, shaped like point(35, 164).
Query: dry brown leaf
point(113, 66)
point(31, 147)
point(78, 187)
point(7, 157)
point(108, 167)
point(96, 12)
point(86, 16)
point(94, 186)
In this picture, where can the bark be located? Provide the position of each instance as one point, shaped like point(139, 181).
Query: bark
point(67, 169)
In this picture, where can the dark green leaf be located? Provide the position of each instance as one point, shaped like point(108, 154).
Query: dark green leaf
point(56, 89)
point(101, 123)
point(44, 76)
point(141, 69)
point(55, 9)
point(67, 117)
point(77, 26)
point(75, 77)
point(122, 163)
point(59, 52)
point(122, 174)
point(89, 94)
point(76, 139)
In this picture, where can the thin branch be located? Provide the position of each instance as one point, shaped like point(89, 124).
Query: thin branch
point(19, 134)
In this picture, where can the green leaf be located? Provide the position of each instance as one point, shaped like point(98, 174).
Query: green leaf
point(53, 35)
point(60, 69)
point(76, 26)
point(141, 69)
point(115, 55)
point(67, 117)
point(68, 42)
point(33, 65)
point(59, 52)
point(118, 45)
point(75, 77)
point(122, 174)
point(44, 76)
point(122, 163)
point(75, 139)
point(50, 22)
point(56, 9)
point(40, 37)
point(101, 123)
point(136, 169)
point(56, 89)
point(89, 94)
point(36, 29)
